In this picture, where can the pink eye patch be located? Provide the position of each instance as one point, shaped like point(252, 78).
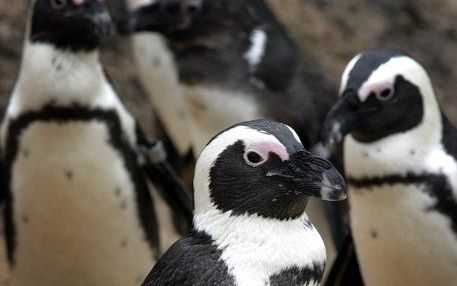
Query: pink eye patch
point(78, 2)
point(264, 148)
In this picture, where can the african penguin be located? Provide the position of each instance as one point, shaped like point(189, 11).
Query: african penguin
point(252, 183)
point(400, 161)
point(77, 207)
point(232, 62)
point(235, 62)
point(158, 74)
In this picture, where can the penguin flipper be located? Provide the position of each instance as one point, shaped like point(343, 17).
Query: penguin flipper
point(192, 260)
point(167, 181)
point(345, 270)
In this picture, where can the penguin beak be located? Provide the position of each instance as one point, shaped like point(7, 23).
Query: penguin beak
point(311, 176)
point(163, 16)
point(340, 121)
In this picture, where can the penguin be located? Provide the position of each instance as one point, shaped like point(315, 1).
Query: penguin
point(229, 61)
point(77, 208)
point(252, 183)
point(234, 61)
point(400, 155)
point(158, 75)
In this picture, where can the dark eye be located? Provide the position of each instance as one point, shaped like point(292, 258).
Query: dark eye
point(385, 94)
point(253, 158)
point(58, 4)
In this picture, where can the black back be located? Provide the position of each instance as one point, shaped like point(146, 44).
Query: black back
point(212, 52)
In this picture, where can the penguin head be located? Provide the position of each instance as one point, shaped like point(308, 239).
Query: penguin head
point(383, 92)
point(69, 24)
point(261, 168)
point(187, 19)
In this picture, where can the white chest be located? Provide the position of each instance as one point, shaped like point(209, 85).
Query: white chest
point(255, 248)
point(399, 239)
point(74, 209)
point(254, 262)
point(213, 110)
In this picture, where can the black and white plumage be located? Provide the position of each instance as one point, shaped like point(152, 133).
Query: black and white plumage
point(77, 206)
point(232, 61)
point(400, 160)
point(208, 64)
point(252, 184)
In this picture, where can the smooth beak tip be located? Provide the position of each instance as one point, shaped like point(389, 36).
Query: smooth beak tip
point(333, 186)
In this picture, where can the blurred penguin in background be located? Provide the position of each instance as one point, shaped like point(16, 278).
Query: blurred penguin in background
point(77, 208)
point(400, 156)
point(227, 61)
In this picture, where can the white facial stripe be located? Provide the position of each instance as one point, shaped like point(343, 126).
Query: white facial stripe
point(266, 147)
point(376, 88)
point(346, 72)
point(405, 66)
point(294, 133)
point(257, 49)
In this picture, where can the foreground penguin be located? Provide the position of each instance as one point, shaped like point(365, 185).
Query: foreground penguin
point(400, 160)
point(252, 184)
point(77, 207)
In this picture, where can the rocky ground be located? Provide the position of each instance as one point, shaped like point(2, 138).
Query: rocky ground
point(329, 33)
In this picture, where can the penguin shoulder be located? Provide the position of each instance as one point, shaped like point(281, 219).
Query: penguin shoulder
point(192, 260)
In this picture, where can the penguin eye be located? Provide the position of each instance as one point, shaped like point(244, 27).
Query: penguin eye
point(254, 159)
point(58, 4)
point(385, 94)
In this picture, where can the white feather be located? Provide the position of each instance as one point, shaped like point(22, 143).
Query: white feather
point(256, 51)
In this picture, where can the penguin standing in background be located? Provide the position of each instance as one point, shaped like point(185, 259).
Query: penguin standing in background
point(400, 156)
point(252, 184)
point(77, 206)
point(233, 62)
point(158, 74)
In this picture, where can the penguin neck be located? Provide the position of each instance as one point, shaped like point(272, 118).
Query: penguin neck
point(64, 77)
point(400, 153)
point(248, 242)
point(226, 228)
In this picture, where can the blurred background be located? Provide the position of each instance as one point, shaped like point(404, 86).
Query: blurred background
point(328, 32)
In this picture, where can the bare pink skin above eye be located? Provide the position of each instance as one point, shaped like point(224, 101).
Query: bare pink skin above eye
point(263, 148)
point(375, 88)
point(78, 2)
